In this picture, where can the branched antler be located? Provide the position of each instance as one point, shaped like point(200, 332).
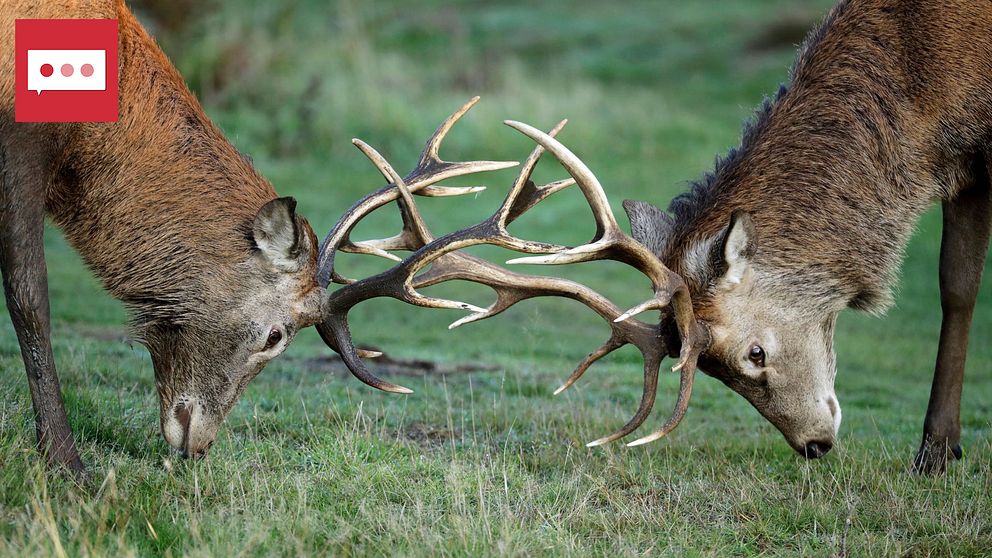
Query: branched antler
point(447, 263)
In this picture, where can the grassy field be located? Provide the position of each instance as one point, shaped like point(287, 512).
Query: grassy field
point(482, 459)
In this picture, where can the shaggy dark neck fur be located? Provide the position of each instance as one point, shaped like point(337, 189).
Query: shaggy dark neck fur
point(159, 204)
point(836, 168)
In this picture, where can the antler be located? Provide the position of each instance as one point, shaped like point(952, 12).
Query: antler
point(446, 264)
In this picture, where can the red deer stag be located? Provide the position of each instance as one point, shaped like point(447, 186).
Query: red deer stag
point(889, 108)
point(172, 219)
point(219, 273)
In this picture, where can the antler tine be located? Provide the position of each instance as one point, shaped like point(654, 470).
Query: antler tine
point(431, 168)
point(339, 237)
point(611, 344)
point(681, 405)
point(512, 204)
point(523, 195)
point(336, 334)
point(379, 248)
point(415, 233)
point(610, 241)
point(433, 146)
point(652, 363)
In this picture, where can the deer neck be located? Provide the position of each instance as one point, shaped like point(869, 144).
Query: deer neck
point(159, 203)
point(835, 170)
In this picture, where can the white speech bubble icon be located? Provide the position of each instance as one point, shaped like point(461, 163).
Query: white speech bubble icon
point(67, 70)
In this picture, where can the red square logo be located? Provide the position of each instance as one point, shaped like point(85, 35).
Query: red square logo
point(66, 70)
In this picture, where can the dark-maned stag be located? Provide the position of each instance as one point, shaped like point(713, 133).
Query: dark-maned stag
point(889, 108)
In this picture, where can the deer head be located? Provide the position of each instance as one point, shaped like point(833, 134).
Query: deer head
point(203, 365)
point(767, 343)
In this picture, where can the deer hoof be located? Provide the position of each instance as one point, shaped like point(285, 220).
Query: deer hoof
point(933, 456)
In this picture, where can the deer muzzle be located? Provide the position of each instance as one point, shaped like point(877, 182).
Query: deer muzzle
point(189, 428)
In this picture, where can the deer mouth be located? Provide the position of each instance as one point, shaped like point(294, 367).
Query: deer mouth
point(184, 416)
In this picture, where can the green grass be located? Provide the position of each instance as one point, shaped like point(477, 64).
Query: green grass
point(311, 462)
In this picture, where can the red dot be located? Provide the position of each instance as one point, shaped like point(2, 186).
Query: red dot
point(86, 70)
point(66, 70)
point(47, 70)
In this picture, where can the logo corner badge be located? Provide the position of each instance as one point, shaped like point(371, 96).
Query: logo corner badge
point(66, 70)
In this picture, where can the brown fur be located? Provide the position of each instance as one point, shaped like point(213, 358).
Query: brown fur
point(874, 127)
point(889, 109)
point(161, 206)
point(142, 231)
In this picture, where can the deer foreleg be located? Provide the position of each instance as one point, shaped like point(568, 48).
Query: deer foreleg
point(25, 282)
point(967, 221)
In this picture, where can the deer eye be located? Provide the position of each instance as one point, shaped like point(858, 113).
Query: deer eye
point(756, 355)
point(275, 336)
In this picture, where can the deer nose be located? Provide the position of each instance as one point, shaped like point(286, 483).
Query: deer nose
point(183, 415)
point(815, 450)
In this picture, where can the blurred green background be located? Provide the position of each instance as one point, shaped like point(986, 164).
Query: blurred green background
point(488, 461)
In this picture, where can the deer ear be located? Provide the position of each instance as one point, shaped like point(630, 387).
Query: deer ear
point(737, 247)
point(277, 234)
point(649, 225)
